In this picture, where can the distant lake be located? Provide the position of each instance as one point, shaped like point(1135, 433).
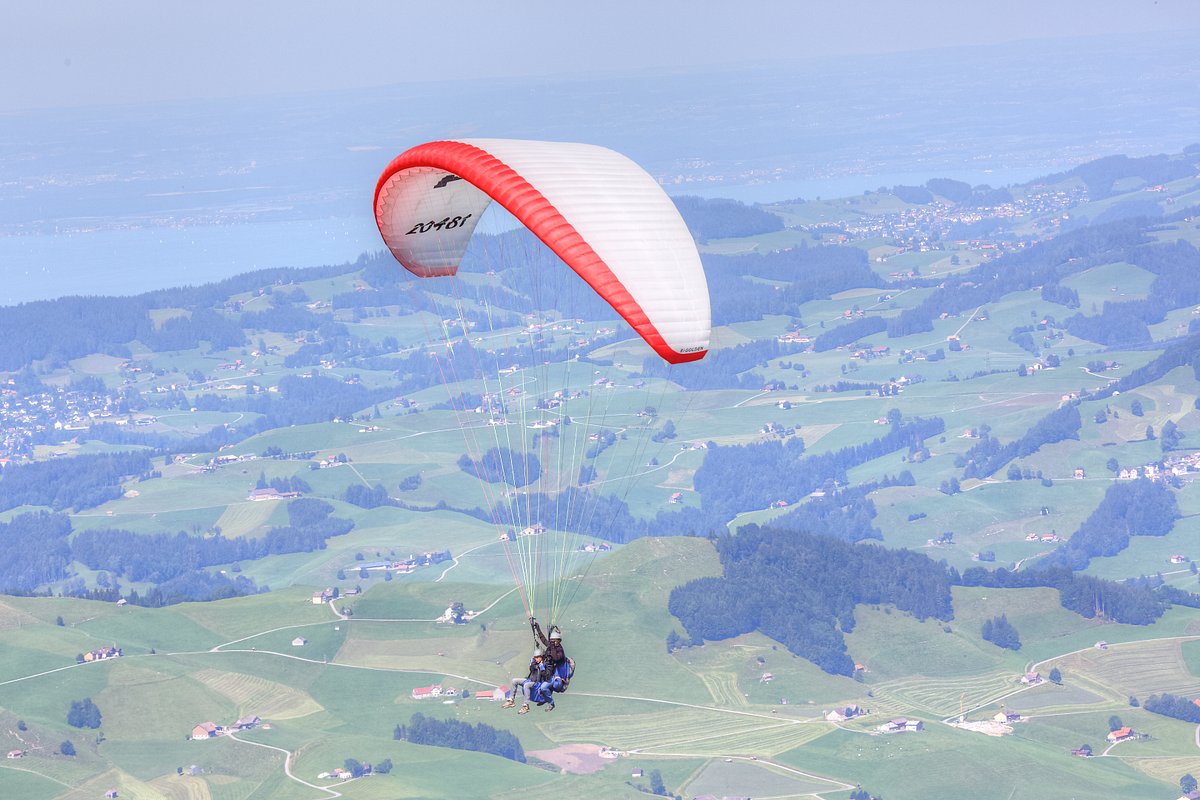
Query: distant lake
point(124, 262)
point(134, 261)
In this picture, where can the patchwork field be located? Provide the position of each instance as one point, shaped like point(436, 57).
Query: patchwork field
point(691, 731)
point(720, 779)
point(1136, 668)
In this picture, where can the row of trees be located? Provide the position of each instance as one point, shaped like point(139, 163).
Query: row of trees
point(1171, 705)
point(987, 455)
point(461, 736)
point(848, 333)
point(162, 557)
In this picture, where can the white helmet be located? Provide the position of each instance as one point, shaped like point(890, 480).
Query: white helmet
point(555, 633)
point(538, 652)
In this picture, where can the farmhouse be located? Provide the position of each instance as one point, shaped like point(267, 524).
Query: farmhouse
point(1031, 678)
point(1082, 752)
point(901, 725)
point(258, 495)
point(16, 753)
point(499, 693)
point(1007, 717)
point(844, 713)
point(427, 559)
point(299, 641)
point(247, 722)
point(102, 653)
point(424, 692)
point(1121, 734)
point(206, 730)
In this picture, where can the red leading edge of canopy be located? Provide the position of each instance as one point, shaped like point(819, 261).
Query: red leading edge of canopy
point(502, 183)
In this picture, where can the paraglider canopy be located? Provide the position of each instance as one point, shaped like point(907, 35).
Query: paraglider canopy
point(603, 215)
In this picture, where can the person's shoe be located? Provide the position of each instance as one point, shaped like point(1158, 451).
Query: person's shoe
point(550, 707)
point(509, 703)
point(524, 709)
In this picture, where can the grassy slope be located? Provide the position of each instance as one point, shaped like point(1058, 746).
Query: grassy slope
point(716, 703)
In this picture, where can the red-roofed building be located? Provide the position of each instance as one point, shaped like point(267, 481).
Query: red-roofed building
point(1121, 734)
point(205, 730)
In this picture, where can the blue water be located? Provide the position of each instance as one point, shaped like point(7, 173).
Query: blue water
point(133, 261)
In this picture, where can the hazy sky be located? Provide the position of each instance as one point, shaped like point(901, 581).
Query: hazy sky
point(72, 53)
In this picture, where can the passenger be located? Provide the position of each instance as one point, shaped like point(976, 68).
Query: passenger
point(540, 672)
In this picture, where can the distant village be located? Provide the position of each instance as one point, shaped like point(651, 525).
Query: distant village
point(401, 566)
point(921, 227)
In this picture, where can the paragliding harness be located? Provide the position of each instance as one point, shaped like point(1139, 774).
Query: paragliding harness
point(563, 674)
